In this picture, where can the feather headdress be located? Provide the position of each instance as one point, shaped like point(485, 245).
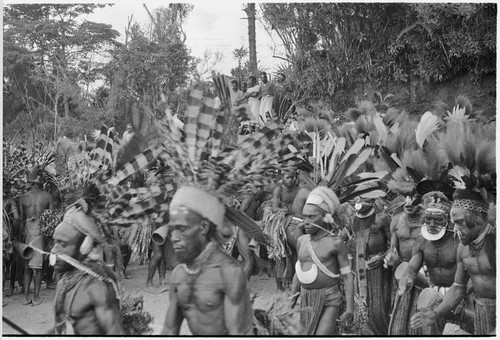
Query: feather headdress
point(18, 163)
point(471, 153)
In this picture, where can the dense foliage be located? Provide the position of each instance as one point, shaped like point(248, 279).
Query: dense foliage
point(49, 60)
point(64, 75)
point(335, 47)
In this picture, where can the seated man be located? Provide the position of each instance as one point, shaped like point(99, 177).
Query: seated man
point(85, 304)
point(475, 260)
point(209, 288)
point(322, 261)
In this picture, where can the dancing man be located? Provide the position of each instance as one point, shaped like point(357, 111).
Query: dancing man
point(405, 230)
point(371, 229)
point(31, 206)
point(322, 262)
point(475, 260)
point(209, 288)
point(86, 301)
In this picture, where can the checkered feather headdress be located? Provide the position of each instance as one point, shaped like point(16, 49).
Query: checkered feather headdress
point(199, 160)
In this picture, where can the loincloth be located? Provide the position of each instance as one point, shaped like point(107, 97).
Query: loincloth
point(312, 302)
point(484, 316)
point(406, 307)
point(379, 287)
point(35, 239)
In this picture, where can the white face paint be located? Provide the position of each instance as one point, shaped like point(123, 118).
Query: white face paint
point(432, 237)
point(52, 259)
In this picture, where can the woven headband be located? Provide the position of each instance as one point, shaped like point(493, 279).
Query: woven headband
point(471, 205)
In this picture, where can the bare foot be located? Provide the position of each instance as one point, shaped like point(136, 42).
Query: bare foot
point(9, 291)
point(36, 302)
point(27, 301)
point(51, 286)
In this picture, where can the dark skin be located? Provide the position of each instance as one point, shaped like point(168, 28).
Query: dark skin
point(291, 196)
point(284, 194)
point(478, 268)
point(377, 240)
point(332, 252)
point(219, 303)
point(440, 256)
point(95, 309)
point(33, 204)
point(402, 236)
point(12, 212)
point(249, 206)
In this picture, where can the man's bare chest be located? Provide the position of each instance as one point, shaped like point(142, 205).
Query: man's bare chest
point(203, 292)
point(442, 255)
point(288, 195)
point(477, 265)
point(75, 305)
point(406, 231)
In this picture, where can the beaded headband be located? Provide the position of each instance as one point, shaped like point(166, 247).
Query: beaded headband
point(471, 205)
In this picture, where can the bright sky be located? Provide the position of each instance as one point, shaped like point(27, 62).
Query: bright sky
point(216, 25)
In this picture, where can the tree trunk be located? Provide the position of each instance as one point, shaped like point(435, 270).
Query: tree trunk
point(252, 46)
point(66, 105)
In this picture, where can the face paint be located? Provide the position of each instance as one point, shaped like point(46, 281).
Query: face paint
point(52, 259)
point(432, 236)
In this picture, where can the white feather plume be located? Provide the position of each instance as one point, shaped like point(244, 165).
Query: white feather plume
point(428, 124)
point(95, 134)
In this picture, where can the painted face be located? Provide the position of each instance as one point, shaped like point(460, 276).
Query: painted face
point(411, 205)
point(466, 232)
point(312, 214)
point(186, 234)
point(289, 179)
point(435, 224)
point(67, 241)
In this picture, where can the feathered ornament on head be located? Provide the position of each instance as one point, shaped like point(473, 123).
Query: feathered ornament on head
point(21, 166)
point(205, 167)
point(470, 148)
point(338, 157)
point(422, 162)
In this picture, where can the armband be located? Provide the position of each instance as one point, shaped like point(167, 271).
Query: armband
point(459, 284)
point(345, 270)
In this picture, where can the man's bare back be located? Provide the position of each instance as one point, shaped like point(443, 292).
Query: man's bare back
point(34, 202)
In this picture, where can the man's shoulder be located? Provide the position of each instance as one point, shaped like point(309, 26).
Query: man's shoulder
point(226, 261)
point(333, 240)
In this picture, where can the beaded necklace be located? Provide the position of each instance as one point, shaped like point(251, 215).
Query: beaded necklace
point(197, 266)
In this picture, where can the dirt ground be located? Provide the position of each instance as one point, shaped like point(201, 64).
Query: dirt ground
point(39, 319)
